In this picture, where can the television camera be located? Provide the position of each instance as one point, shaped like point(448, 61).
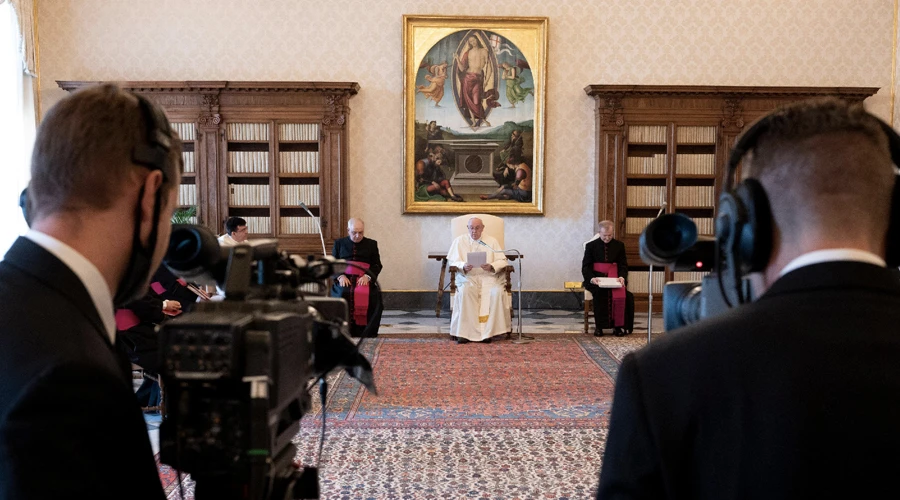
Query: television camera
point(672, 240)
point(237, 371)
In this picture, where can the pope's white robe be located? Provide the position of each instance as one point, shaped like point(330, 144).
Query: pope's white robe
point(481, 305)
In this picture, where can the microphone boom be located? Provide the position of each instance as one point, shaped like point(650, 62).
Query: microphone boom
point(319, 225)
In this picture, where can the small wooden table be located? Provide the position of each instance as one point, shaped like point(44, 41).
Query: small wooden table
point(442, 256)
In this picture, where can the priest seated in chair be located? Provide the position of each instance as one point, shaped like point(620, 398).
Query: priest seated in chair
point(604, 257)
point(354, 285)
point(481, 304)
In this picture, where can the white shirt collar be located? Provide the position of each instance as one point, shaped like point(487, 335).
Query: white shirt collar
point(227, 240)
point(831, 255)
point(87, 272)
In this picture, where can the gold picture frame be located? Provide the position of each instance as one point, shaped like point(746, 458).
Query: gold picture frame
point(474, 90)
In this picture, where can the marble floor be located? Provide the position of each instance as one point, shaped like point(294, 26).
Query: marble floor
point(534, 321)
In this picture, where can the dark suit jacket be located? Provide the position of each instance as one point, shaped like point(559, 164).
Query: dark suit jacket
point(70, 425)
point(594, 251)
point(796, 395)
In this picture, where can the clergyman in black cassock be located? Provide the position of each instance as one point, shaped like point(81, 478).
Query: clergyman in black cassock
point(613, 252)
point(363, 250)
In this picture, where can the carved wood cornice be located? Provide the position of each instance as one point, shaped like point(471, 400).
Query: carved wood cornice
point(628, 91)
point(348, 88)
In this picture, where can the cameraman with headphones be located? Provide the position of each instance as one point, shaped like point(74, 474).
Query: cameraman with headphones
point(796, 395)
point(104, 174)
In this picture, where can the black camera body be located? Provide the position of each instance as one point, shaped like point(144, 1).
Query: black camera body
point(672, 241)
point(218, 362)
point(237, 372)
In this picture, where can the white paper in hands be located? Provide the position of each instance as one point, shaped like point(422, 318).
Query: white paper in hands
point(476, 259)
point(607, 282)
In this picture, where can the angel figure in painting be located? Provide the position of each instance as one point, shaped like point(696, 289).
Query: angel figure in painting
point(435, 90)
point(515, 92)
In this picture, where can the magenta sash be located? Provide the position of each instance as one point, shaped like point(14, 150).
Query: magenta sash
point(617, 302)
point(126, 319)
point(360, 294)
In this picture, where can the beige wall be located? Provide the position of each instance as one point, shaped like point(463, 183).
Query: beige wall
point(689, 42)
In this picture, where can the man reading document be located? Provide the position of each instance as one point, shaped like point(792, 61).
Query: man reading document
point(481, 305)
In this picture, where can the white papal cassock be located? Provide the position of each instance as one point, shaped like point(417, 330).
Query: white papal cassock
point(481, 305)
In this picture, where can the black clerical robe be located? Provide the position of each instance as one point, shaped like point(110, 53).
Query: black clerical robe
point(364, 251)
point(140, 341)
point(612, 252)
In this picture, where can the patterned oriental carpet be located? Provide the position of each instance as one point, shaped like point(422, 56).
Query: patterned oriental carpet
point(496, 420)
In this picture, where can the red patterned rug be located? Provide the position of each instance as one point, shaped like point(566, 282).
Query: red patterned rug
point(430, 381)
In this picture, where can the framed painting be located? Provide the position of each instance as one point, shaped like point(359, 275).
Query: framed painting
point(474, 93)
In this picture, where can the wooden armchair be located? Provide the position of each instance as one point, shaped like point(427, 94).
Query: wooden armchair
point(493, 226)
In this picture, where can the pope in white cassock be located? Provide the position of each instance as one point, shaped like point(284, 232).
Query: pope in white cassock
point(481, 305)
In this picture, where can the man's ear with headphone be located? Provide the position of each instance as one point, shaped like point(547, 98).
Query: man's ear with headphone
point(744, 225)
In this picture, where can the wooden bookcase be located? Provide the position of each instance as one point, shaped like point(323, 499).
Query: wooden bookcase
point(258, 150)
point(671, 143)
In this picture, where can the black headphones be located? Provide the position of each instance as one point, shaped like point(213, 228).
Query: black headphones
point(152, 154)
point(744, 217)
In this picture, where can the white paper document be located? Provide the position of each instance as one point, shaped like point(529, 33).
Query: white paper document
point(476, 259)
point(606, 282)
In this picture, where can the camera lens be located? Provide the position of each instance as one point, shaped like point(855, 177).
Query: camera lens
point(667, 237)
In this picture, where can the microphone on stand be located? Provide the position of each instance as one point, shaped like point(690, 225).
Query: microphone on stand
point(662, 208)
point(319, 224)
point(521, 339)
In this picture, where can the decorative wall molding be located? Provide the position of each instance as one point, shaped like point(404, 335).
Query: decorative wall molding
point(732, 113)
point(334, 110)
point(609, 110)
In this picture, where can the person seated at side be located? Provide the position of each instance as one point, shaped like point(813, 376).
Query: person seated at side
point(481, 305)
point(136, 323)
point(362, 296)
point(604, 257)
point(235, 232)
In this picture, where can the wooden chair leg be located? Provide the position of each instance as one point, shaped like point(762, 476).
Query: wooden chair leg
point(440, 290)
point(162, 398)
